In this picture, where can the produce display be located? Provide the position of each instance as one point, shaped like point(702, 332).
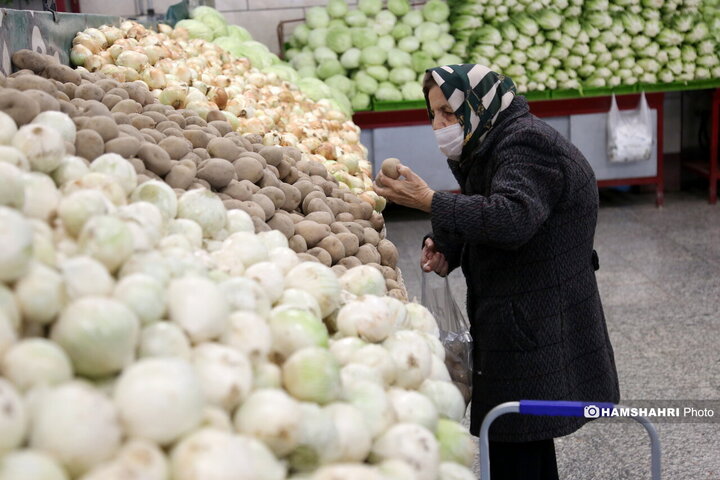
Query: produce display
point(371, 51)
point(278, 187)
point(151, 330)
point(200, 76)
point(576, 44)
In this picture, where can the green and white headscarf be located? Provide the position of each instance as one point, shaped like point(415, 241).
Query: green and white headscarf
point(477, 95)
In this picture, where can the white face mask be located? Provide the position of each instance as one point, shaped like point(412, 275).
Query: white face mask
point(450, 141)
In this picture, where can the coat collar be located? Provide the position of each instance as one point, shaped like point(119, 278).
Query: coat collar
point(517, 108)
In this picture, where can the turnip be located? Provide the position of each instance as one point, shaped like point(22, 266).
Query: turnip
point(41, 196)
point(214, 455)
point(13, 418)
point(447, 398)
point(364, 280)
point(319, 281)
point(16, 237)
point(189, 229)
point(377, 357)
point(354, 437)
point(91, 417)
point(144, 295)
point(159, 194)
point(36, 361)
point(118, 168)
point(107, 239)
point(71, 168)
point(147, 221)
point(8, 128)
point(266, 375)
point(197, 305)
point(269, 276)
point(164, 339)
point(419, 318)
point(8, 334)
point(30, 464)
point(412, 443)
point(9, 306)
point(356, 372)
point(245, 295)
point(205, 208)
point(319, 442)
point(43, 146)
point(456, 443)
point(455, 471)
point(84, 276)
point(367, 318)
point(273, 417)
point(293, 329)
point(313, 375)
point(59, 122)
point(412, 357)
point(370, 399)
point(284, 257)
point(78, 207)
point(250, 334)
point(225, 374)
point(136, 460)
point(99, 334)
point(344, 348)
point(40, 294)
point(12, 187)
point(413, 407)
point(159, 399)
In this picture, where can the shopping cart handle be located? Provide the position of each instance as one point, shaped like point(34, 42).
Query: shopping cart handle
point(560, 408)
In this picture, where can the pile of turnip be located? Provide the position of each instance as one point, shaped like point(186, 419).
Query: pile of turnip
point(152, 333)
point(201, 76)
point(279, 187)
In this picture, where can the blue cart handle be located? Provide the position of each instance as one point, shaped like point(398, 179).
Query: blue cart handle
point(563, 408)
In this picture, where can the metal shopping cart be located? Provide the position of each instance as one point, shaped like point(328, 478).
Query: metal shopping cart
point(559, 409)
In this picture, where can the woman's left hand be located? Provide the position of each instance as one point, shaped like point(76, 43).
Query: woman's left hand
point(410, 191)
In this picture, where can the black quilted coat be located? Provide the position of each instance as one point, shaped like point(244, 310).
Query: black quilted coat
point(522, 229)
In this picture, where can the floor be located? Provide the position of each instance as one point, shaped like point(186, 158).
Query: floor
point(660, 287)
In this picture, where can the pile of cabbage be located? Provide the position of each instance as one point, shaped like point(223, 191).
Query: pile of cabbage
point(128, 349)
point(201, 76)
point(571, 44)
point(373, 52)
point(209, 24)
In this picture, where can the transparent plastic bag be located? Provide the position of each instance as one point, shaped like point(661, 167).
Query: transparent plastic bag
point(629, 133)
point(454, 332)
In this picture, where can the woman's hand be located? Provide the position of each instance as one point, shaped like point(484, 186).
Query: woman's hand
point(412, 191)
point(433, 261)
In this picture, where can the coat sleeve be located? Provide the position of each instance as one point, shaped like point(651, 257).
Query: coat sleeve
point(524, 190)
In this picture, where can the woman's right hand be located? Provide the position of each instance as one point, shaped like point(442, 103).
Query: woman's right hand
point(433, 261)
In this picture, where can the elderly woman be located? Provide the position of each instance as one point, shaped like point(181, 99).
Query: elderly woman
point(522, 229)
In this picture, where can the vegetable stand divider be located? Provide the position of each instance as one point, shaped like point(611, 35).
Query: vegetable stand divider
point(560, 409)
point(712, 169)
point(548, 108)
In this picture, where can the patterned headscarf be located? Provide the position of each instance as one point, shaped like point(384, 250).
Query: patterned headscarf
point(477, 95)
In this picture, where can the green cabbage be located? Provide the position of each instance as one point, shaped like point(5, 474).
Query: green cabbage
point(301, 33)
point(196, 29)
point(421, 61)
point(341, 83)
point(550, 19)
point(413, 18)
point(239, 33)
point(303, 59)
point(284, 72)
point(526, 25)
point(388, 92)
point(328, 68)
point(446, 41)
point(351, 58)
point(427, 31)
point(488, 35)
point(339, 39)
point(356, 18)
point(317, 17)
point(315, 89)
point(360, 101)
point(401, 75)
point(317, 38)
point(433, 48)
point(370, 7)
point(398, 7)
point(386, 42)
point(412, 91)
point(399, 58)
point(401, 30)
point(373, 56)
point(384, 22)
point(363, 37)
point(365, 83)
point(378, 72)
point(436, 11)
point(324, 53)
point(337, 8)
